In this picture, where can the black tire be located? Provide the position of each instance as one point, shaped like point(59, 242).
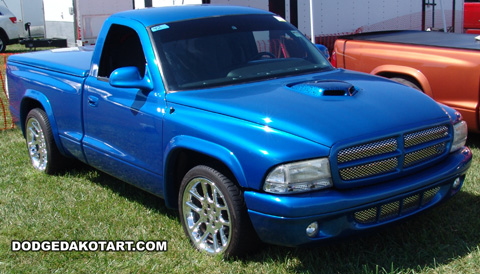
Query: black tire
point(407, 82)
point(43, 152)
point(213, 213)
point(3, 43)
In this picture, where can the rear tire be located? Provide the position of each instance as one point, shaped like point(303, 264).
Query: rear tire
point(43, 152)
point(213, 213)
point(407, 82)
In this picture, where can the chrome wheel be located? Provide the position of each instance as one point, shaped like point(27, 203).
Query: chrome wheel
point(41, 146)
point(206, 215)
point(36, 144)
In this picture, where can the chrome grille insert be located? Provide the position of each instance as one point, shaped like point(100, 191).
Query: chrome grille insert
point(421, 155)
point(411, 203)
point(396, 208)
point(366, 216)
point(374, 168)
point(392, 155)
point(389, 211)
point(424, 136)
point(429, 195)
point(367, 150)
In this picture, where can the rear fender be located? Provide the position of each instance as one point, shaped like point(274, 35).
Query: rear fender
point(393, 70)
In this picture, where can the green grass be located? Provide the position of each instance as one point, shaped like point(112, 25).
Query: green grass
point(85, 204)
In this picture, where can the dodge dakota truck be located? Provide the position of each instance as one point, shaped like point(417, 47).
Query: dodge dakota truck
point(445, 66)
point(238, 122)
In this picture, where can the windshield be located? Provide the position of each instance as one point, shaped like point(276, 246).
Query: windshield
point(224, 50)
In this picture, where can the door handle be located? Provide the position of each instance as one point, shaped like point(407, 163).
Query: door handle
point(92, 101)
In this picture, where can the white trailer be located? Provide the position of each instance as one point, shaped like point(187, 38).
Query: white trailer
point(324, 20)
point(140, 4)
point(90, 15)
point(79, 21)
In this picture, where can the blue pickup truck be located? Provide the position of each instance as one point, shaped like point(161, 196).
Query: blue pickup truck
point(237, 121)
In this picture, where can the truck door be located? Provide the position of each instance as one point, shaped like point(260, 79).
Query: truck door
point(123, 126)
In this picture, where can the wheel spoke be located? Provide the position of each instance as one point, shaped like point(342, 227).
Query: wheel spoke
point(33, 134)
point(37, 127)
point(195, 194)
point(196, 225)
point(203, 239)
point(215, 198)
point(223, 237)
point(193, 206)
point(205, 187)
point(215, 242)
point(223, 222)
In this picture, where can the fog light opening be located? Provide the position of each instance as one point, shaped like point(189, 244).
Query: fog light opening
point(456, 183)
point(312, 229)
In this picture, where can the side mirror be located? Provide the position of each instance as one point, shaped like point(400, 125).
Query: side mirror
point(324, 50)
point(129, 77)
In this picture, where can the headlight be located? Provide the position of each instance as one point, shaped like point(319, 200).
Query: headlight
point(299, 177)
point(460, 132)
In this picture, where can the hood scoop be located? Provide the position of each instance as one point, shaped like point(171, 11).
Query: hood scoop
point(325, 88)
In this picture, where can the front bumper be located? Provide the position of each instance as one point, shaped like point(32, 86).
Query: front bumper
point(283, 219)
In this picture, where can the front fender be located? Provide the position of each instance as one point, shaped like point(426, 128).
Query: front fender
point(215, 151)
point(39, 98)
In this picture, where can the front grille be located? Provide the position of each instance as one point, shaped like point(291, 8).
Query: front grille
point(396, 208)
point(424, 154)
point(423, 136)
point(373, 168)
point(389, 211)
point(392, 155)
point(367, 150)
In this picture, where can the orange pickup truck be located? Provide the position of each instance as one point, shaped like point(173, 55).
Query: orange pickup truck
point(445, 66)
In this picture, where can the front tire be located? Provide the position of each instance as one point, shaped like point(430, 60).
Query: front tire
point(43, 152)
point(213, 213)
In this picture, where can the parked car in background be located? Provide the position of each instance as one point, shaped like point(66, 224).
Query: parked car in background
point(10, 29)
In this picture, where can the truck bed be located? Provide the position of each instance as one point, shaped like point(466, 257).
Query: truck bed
point(72, 61)
point(423, 38)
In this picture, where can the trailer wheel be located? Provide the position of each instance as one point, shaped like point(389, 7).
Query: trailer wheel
point(213, 213)
point(407, 82)
point(41, 146)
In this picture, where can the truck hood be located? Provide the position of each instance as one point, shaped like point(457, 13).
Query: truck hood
point(325, 108)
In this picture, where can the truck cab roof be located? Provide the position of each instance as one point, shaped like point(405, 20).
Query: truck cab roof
point(154, 16)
